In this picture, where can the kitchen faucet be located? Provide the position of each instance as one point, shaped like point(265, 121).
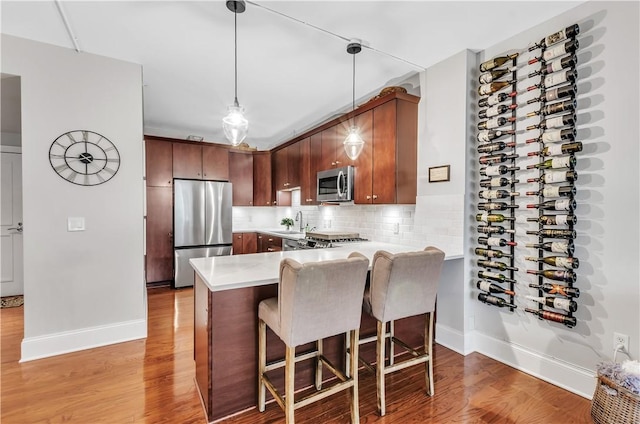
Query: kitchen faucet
point(299, 214)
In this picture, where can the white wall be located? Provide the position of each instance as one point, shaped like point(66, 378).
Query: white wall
point(82, 289)
point(608, 211)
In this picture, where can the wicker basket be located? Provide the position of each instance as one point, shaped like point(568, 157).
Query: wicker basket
point(607, 407)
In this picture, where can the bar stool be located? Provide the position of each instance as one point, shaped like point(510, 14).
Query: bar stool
point(401, 286)
point(315, 301)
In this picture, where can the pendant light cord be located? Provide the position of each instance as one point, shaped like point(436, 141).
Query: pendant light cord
point(235, 55)
point(353, 95)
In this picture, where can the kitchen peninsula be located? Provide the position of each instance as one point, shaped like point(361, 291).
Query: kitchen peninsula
point(227, 292)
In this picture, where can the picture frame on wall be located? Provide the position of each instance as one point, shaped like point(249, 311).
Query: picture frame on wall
point(439, 174)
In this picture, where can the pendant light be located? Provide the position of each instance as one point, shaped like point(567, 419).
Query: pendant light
point(354, 143)
point(235, 125)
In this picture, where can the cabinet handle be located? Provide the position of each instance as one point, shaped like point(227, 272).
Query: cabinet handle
point(375, 196)
point(169, 182)
point(368, 197)
point(269, 249)
point(337, 162)
point(270, 239)
point(333, 164)
point(239, 237)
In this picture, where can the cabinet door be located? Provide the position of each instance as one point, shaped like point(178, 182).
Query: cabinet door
point(241, 176)
point(159, 163)
point(315, 165)
point(305, 172)
point(249, 243)
point(363, 182)
point(187, 161)
point(237, 244)
point(280, 169)
point(342, 130)
point(384, 153)
point(215, 163)
point(293, 165)
point(159, 261)
point(328, 144)
point(261, 245)
point(262, 188)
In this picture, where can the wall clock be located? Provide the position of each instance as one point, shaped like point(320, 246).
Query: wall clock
point(84, 157)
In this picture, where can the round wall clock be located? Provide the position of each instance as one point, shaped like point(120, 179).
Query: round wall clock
point(84, 157)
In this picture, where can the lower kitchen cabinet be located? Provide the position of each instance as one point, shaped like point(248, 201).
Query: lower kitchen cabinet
point(159, 233)
point(268, 243)
point(244, 243)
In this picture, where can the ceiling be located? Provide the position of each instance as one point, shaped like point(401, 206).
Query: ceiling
point(293, 68)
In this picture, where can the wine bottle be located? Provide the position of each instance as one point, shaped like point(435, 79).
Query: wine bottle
point(495, 111)
point(553, 316)
point(495, 122)
point(488, 253)
point(556, 65)
point(557, 289)
point(489, 77)
point(565, 234)
point(555, 163)
point(557, 51)
point(555, 205)
point(485, 217)
point(556, 302)
point(555, 246)
point(555, 177)
point(490, 287)
point(555, 219)
point(568, 262)
point(568, 276)
point(494, 229)
point(487, 89)
point(490, 135)
point(556, 94)
point(495, 206)
point(497, 194)
point(556, 78)
point(496, 61)
point(495, 301)
point(555, 122)
point(558, 149)
point(495, 277)
point(556, 37)
point(494, 264)
point(498, 158)
point(554, 191)
point(495, 147)
point(497, 170)
point(495, 241)
point(495, 98)
point(498, 182)
point(553, 108)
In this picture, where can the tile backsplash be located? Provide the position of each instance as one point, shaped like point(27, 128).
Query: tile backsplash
point(434, 220)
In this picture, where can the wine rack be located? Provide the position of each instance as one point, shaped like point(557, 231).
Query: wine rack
point(497, 205)
point(552, 77)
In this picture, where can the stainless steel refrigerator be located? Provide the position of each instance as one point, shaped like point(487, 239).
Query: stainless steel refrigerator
point(201, 224)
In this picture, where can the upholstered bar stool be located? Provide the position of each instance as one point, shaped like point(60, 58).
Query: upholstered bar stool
point(315, 301)
point(401, 286)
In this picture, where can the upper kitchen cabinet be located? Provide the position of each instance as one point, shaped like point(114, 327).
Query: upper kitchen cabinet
point(215, 163)
point(187, 161)
point(241, 177)
point(391, 151)
point(286, 167)
point(263, 194)
point(159, 164)
point(310, 159)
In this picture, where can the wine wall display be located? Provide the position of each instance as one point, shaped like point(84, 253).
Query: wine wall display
point(514, 121)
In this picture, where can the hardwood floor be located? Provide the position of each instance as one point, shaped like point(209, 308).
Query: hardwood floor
point(152, 381)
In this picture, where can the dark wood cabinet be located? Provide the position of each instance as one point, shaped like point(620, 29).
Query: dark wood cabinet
point(215, 163)
point(263, 193)
point(158, 163)
point(269, 243)
point(333, 154)
point(159, 234)
point(310, 158)
point(280, 168)
point(241, 176)
point(187, 161)
point(286, 167)
point(293, 165)
point(244, 243)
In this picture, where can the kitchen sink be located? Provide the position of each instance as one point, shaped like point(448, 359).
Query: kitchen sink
point(287, 232)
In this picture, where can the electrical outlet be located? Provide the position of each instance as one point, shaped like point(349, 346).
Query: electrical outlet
point(621, 340)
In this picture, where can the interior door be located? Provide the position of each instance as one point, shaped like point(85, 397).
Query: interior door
point(11, 269)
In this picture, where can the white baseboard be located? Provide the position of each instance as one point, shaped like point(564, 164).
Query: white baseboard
point(85, 338)
point(454, 339)
point(575, 379)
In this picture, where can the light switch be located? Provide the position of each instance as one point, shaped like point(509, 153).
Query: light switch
point(75, 223)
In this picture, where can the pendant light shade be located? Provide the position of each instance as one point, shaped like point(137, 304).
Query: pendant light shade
point(235, 125)
point(354, 143)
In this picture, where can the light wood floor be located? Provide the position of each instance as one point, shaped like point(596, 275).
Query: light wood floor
point(151, 381)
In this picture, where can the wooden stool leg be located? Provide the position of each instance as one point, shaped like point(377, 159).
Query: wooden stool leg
point(380, 366)
point(289, 379)
point(347, 348)
point(428, 347)
point(352, 368)
point(262, 363)
point(391, 349)
point(319, 365)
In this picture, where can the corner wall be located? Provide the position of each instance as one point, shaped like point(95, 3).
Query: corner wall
point(82, 289)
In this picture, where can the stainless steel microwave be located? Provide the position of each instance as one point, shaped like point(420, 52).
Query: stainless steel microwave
point(336, 185)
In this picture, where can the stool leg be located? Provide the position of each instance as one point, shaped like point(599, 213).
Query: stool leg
point(391, 349)
point(289, 379)
point(352, 367)
point(347, 348)
point(428, 347)
point(380, 342)
point(262, 362)
point(319, 365)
